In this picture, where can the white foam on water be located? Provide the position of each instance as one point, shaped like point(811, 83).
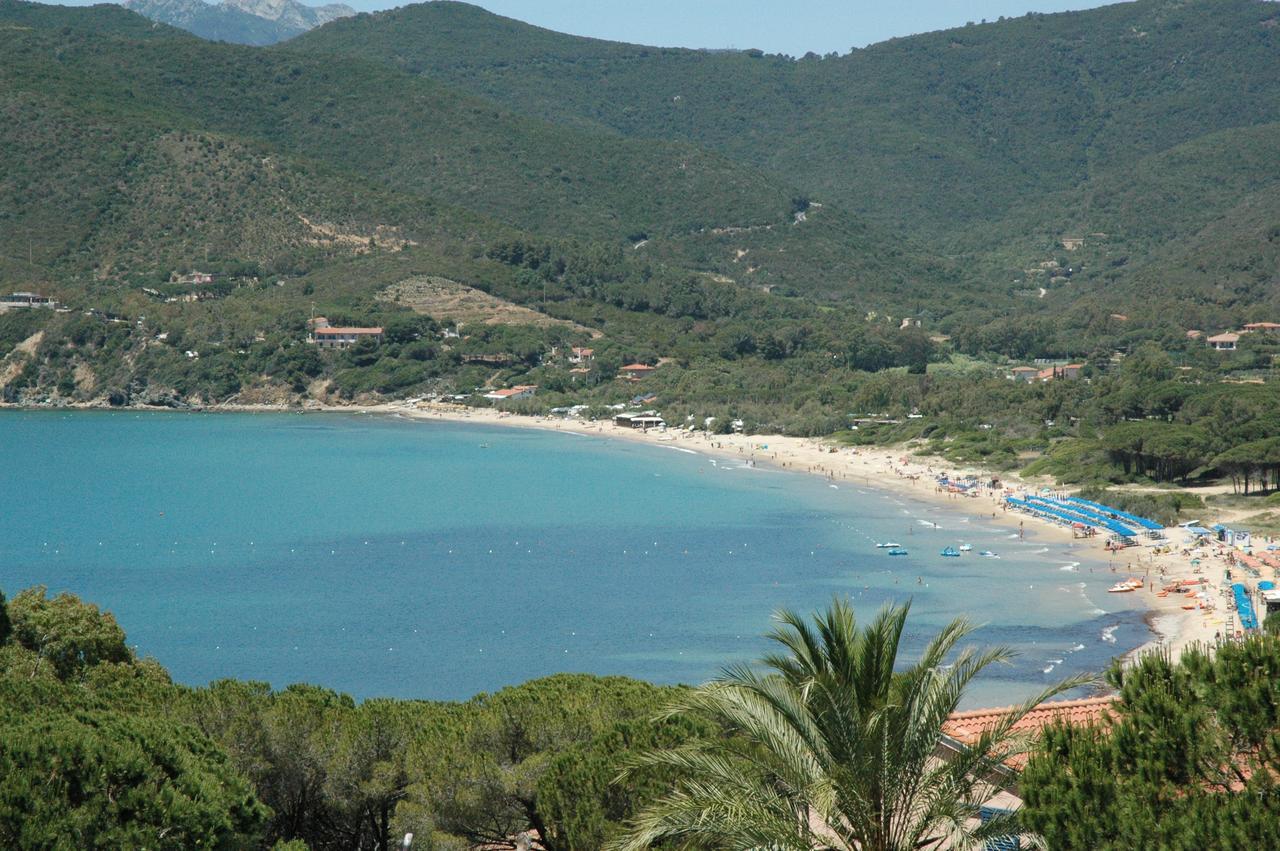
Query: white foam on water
point(1070, 567)
point(1109, 634)
point(678, 449)
point(1076, 649)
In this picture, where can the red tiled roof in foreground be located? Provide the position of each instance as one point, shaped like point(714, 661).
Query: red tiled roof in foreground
point(966, 727)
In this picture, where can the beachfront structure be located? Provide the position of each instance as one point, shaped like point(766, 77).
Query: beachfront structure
point(329, 337)
point(645, 420)
point(1224, 342)
point(512, 394)
point(27, 300)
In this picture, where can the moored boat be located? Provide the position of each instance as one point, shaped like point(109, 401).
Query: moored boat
point(897, 551)
point(950, 552)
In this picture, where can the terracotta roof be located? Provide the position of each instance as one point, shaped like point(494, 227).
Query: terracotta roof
point(512, 391)
point(1264, 326)
point(320, 332)
point(1225, 338)
point(637, 367)
point(966, 727)
point(1025, 369)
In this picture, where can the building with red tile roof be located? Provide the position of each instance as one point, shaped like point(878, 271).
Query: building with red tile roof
point(966, 727)
point(330, 337)
point(511, 394)
point(1224, 342)
point(637, 370)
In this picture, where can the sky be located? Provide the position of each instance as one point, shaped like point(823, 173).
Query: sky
point(775, 26)
point(794, 27)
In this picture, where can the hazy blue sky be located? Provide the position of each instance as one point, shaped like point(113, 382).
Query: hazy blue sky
point(777, 26)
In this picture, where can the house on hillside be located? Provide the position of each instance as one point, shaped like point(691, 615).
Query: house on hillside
point(20, 300)
point(636, 371)
point(578, 354)
point(329, 337)
point(191, 278)
point(1025, 374)
point(1224, 342)
point(1195, 334)
point(1071, 371)
point(513, 394)
point(1262, 328)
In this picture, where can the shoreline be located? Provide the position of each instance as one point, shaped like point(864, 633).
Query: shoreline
point(889, 469)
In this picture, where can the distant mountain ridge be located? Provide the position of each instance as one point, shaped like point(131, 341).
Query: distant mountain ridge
point(252, 22)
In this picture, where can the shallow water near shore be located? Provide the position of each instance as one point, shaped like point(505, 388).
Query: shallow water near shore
point(386, 557)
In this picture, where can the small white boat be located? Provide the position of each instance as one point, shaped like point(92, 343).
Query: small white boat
point(1126, 586)
point(965, 548)
point(889, 546)
point(988, 554)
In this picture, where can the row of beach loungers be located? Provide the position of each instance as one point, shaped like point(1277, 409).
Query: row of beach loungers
point(1074, 511)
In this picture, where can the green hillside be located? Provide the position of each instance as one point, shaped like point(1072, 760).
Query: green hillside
point(382, 129)
point(778, 263)
point(937, 130)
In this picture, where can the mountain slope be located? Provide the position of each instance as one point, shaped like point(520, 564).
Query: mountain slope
point(932, 132)
point(254, 22)
point(411, 138)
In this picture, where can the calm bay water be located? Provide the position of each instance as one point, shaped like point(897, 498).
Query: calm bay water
point(382, 556)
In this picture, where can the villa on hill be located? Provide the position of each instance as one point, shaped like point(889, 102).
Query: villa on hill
point(1224, 342)
point(1031, 374)
point(24, 300)
point(636, 371)
point(326, 336)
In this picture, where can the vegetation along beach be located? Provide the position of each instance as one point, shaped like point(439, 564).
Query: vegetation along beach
point(832, 426)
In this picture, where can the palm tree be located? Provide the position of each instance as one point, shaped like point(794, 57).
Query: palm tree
point(831, 748)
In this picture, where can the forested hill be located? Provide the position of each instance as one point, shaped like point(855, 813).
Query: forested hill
point(91, 91)
point(1139, 127)
point(939, 128)
point(1062, 186)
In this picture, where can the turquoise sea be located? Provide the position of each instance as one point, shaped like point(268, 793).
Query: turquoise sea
point(384, 556)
